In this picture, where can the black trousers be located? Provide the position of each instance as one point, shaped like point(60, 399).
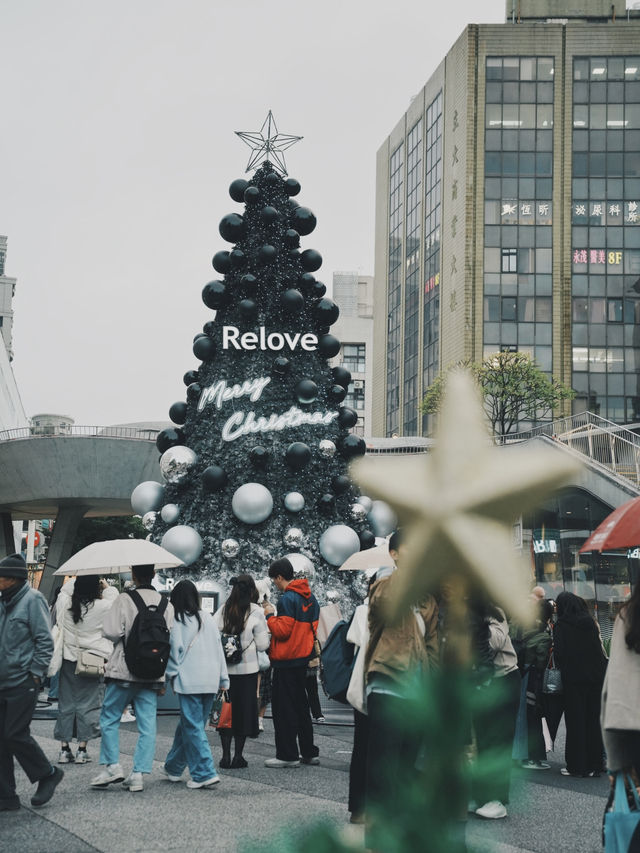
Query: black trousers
point(291, 718)
point(583, 749)
point(391, 752)
point(17, 705)
point(358, 766)
point(495, 726)
point(311, 687)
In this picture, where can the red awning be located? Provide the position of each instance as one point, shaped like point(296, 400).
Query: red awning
point(620, 530)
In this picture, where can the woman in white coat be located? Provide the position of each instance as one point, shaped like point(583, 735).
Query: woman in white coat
point(80, 611)
point(241, 617)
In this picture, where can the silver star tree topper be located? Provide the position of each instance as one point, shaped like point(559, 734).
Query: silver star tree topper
point(267, 145)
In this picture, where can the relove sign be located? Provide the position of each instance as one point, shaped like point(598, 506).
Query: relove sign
point(275, 341)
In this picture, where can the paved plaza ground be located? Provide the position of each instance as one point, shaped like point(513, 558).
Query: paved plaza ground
point(549, 812)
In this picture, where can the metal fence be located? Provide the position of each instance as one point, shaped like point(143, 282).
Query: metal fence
point(81, 431)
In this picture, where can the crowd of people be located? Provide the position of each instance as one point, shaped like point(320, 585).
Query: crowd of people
point(251, 653)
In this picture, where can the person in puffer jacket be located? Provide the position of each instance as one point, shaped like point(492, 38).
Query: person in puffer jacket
point(293, 631)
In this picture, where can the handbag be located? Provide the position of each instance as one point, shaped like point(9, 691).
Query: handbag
point(232, 648)
point(89, 664)
point(622, 823)
point(224, 720)
point(552, 678)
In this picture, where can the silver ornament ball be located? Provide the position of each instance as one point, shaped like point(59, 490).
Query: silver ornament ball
point(366, 502)
point(230, 548)
point(338, 543)
point(252, 503)
point(147, 497)
point(294, 501)
point(170, 513)
point(302, 566)
point(149, 519)
point(293, 538)
point(176, 463)
point(184, 542)
point(327, 448)
point(358, 512)
point(333, 594)
point(382, 519)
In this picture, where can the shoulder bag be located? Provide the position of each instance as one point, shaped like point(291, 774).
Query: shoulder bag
point(622, 823)
point(88, 664)
point(552, 678)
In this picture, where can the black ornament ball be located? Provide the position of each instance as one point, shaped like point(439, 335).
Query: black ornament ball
point(367, 540)
point(252, 195)
point(238, 189)
point(311, 260)
point(273, 179)
point(190, 376)
point(292, 301)
point(292, 187)
point(326, 503)
point(340, 484)
point(215, 294)
point(178, 412)
point(199, 335)
point(306, 281)
point(291, 238)
point(298, 455)
point(220, 262)
point(341, 376)
point(209, 327)
point(269, 215)
point(303, 220)
point(318, 290)
point(248, 308)
point(328, 346)
point(232, 227)
point(169, 437)
point(238, 259)
point(259, 456)
point(214, 478)
point(267, 254)
point(294, 255)
point(352, 445)
point(193, 391)
point(204, 349)
point(326, 311)
point(337, 393)
point(249, 282)
point(306, 391)
point(347, 418)
point(292, 204)
point(281, 365)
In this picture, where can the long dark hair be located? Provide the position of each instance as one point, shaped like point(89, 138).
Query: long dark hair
point(237, 606)
point(186, 601)
point(571, 607)
point(86, 590)
point(631, 615)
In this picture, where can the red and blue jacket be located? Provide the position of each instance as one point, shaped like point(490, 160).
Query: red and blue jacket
point(294, 627)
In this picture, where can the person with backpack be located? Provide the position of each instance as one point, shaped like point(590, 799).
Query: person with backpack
point(244, 633)
point(197, 670)
point(293, 632)
point(138, 625)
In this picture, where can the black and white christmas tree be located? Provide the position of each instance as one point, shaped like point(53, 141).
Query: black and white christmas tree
point(257, 465)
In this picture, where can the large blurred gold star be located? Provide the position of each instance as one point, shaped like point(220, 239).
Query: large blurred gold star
point(267, 144)
point(457, 504)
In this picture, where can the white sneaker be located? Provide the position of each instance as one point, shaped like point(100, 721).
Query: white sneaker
point(277, 762)
point(260, 724)
point(65, 757)
point(134, 782)
point(110, 774)
point(493, 810)
point(168, 776)
point(208, 783)
point(82, 757)
point(127, 717)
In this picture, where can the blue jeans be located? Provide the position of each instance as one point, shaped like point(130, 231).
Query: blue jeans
point(190, 745)
point(116, 699)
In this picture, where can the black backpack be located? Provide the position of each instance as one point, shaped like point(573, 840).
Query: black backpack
point(146, 649)
point(337, 660)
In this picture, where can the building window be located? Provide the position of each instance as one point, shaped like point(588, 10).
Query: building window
point(509, 260)
point(353, 357)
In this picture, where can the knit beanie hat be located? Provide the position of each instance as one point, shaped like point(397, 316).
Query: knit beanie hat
point(13, 566)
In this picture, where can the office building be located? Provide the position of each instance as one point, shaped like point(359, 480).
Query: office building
point(7, 292)
point(508, 212)
point(354, 295)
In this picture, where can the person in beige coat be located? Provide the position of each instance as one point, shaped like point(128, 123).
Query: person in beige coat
point(620, 707)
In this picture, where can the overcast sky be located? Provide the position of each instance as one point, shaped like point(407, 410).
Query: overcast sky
point(117, 148)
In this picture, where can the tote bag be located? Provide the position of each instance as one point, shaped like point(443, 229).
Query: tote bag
point(622, 824)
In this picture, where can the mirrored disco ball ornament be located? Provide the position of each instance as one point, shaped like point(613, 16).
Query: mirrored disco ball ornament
point(338, 543)
point(170, 513)
point(293, 537)
point(230, 548)
point(333, 594)
point(327, 448)
point(366, 502)
point(184, 542)
point(252, 503)
point(302, 566)
point(147, 497)
point(382, 518)
point(358, 512)
point(148, 520)
point(294, 501)
point(176, 463)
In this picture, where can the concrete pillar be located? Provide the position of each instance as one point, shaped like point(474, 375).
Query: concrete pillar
point(60, 546)
point(7, 544)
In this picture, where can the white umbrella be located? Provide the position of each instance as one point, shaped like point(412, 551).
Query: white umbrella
point(116, 557)
point(370, 560)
